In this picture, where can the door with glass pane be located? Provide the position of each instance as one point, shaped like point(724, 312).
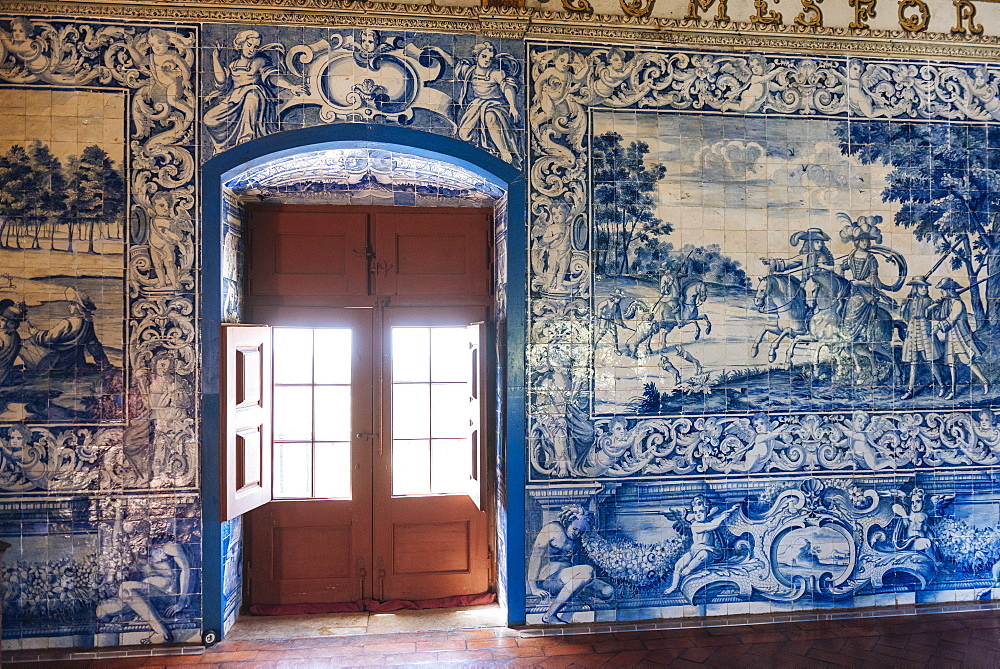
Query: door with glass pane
point(377, 402)
point(376, 458)
point(429, 534)
point(313, 543)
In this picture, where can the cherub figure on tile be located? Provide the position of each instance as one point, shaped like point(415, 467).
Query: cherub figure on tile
point(703, 521)
point(21, 43)
point(170, 241)
point(168, 95)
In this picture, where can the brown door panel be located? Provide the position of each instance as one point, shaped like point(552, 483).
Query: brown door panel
point(309, 552)
point(432, 254)
point(298, 254)
point(424, 558)
point(307, 265)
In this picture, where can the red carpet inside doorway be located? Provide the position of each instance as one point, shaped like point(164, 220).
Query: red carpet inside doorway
point(373, 605)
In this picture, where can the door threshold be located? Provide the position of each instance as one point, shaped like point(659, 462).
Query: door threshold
point(313, 625)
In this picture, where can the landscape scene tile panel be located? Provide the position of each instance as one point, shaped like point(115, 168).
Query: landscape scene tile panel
point(99, 363)
point(62, 251)
point(762, 354)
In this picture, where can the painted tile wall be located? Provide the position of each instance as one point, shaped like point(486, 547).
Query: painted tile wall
point(99, 296)
point(815, 479)
point(100, 483)
point(257, 81)
point(763, 342)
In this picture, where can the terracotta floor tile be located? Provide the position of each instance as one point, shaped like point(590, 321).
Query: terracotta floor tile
point(682, 663)
point(411, 658)
point(680, 643)
point(833, 659)
point(862, 642)
point(900, 653)
point(386, 647)
point(232, 656)
point(663, 656)
point(176, 660)
point(627, 658)
point(610, 646)
point(441, 644)
point(761, 636)
point(474, 644)
point(727, 656)
point(946, 640)
point(568, 648)
point(467, 655)
point(517, 652)
point(697, 654)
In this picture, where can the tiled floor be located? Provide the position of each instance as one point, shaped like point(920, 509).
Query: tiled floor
point(940, 640)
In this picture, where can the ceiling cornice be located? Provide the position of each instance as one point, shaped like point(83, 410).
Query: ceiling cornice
point(525, 23)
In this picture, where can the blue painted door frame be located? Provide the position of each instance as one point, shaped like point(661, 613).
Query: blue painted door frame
point(223, 167)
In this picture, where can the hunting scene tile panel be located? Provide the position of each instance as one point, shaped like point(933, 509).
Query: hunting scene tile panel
point(747, 251)
point(763, 350)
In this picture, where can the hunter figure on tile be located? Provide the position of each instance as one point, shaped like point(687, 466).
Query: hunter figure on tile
point(960, 347)
point(920, 344)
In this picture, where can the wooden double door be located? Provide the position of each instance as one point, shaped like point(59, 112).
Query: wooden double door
point(376, 323)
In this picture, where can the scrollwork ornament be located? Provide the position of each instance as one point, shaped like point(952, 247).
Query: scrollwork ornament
point(164, 322)
point(69, 460)
point(620, 447)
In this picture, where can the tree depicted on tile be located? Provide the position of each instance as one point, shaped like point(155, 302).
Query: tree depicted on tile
point(55, 335)
point(728, 295)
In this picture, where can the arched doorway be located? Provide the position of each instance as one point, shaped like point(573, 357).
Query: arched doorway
point(510, 338)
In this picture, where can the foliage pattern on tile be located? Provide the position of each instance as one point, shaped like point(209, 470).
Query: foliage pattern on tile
point(764, 296)
point(99, 351)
